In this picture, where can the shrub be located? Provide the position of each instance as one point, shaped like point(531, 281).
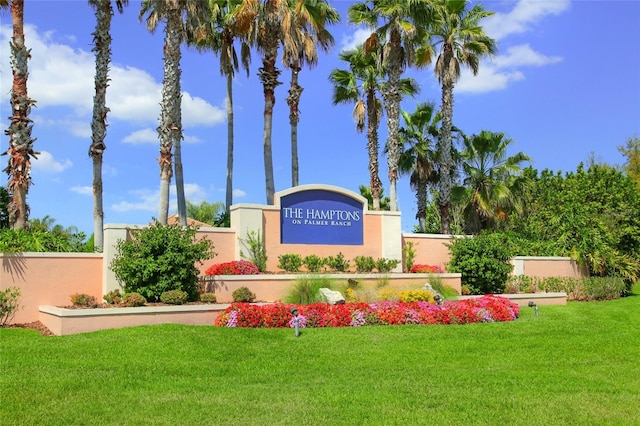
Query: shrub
point(408, 255)
point(235, 267)
point(386, 265)
point(9, 303)
point(364, 263)
point(337, 263)
point(113, 297)
point(313, 263)
point(416, 296)
point(174, 297)
point(133, 299)
point(83, 299)
point(306, 290)
point(290, 262)
point(426, 269)
point(483, 262)
point(257, 251)
point(159, 258)
point(243, 294)
point(208, 298)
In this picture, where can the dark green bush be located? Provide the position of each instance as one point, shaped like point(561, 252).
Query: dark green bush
point(133, 299)
point(337, 263)
point(174, 297)
point(313, 263)
point(290, 262)
point(483, 262)
point(160, 258)
point(82, 299)
point(208, 298)
point(243, 294)
point(364, 263)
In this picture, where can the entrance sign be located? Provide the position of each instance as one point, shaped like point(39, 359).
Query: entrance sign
point(319, 216)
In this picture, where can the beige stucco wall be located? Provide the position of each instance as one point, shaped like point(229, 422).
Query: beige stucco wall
point(431, 249)
point(542, 267)
point(50, 279)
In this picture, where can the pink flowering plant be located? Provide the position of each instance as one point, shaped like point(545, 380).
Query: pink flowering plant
point(235, 267)
point(426, 269)
point(488, 308)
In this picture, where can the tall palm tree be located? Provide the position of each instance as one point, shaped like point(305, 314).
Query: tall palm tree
point(491, 180)
point(20, 141)
point(170, 129)
point(102, 47)
point(403, 24)
point(305, 27)
point(360, 85)
point(419, 135)
point(260, 22)
point(219, 35)
point(462, 42)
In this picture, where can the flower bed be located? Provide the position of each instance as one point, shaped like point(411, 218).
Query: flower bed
point(488, 308)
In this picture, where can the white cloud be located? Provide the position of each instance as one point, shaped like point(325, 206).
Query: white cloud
point(147, 201)
point(522, 17)
point(239, 193)
point(46, 163)
point(62, 76)
point(523, 55)
point(143, 136)
point(82, 190)
point(489, 79)
point(354, 40)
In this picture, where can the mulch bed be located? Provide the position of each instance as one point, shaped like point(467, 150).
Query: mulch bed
point(37, 325)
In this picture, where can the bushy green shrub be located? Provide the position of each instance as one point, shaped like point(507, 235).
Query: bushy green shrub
point(386, 265)
point(306, 290)
point(408, 255)
point(159, 258)
point(113, 297)
point(39, 240)
point(483, 262)
point(337, 263)
point(174, 297)
point(257, 252)
point(208, 298)
point(133, 299)
point(243, 294)
point(9, 303)
point(364, 263)
point(83, 299)
point(290, 262)
point(313, 263)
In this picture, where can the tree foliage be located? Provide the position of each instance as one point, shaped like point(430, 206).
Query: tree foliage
point(631, 150)
point(160, 258)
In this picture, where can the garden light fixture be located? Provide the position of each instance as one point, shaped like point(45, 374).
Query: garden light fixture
point(533, 305)
point(296, 321)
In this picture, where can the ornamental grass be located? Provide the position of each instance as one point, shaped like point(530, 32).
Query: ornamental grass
point(489, 308)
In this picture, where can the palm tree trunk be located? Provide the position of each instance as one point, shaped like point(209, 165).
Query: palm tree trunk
point(269, 76)
point(392, 97)
point(421, 199)
point(373, 147)
point(446, 161)
point(229, 190)
point(293, 100)
point(19, 131)
point(102, 41)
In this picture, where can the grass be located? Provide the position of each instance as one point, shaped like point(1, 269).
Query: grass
point(574, 364)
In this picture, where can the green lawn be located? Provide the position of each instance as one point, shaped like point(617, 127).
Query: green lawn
point(574, 364)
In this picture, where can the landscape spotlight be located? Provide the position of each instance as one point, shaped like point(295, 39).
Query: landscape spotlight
point(532, 304)
point(294, 312)
point(438, 299)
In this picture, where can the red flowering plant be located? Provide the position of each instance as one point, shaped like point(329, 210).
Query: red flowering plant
point(487, 308)
point(235, 267)
point(426, 269)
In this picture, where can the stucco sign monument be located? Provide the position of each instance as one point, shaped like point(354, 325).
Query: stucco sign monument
point(321, 216)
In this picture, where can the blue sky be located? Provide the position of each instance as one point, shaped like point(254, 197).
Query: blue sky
point(564, 84)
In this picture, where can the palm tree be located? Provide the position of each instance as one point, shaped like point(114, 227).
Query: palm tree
point(170, 129)
point(360, 85)
point(102, 42)
point(260, 22)
point(306, 24)
point(419, 135)
point(491, 180)
point(20, 142)
point(403, 23)
point(365, 191)
point(219, 35)
point(462, 42)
